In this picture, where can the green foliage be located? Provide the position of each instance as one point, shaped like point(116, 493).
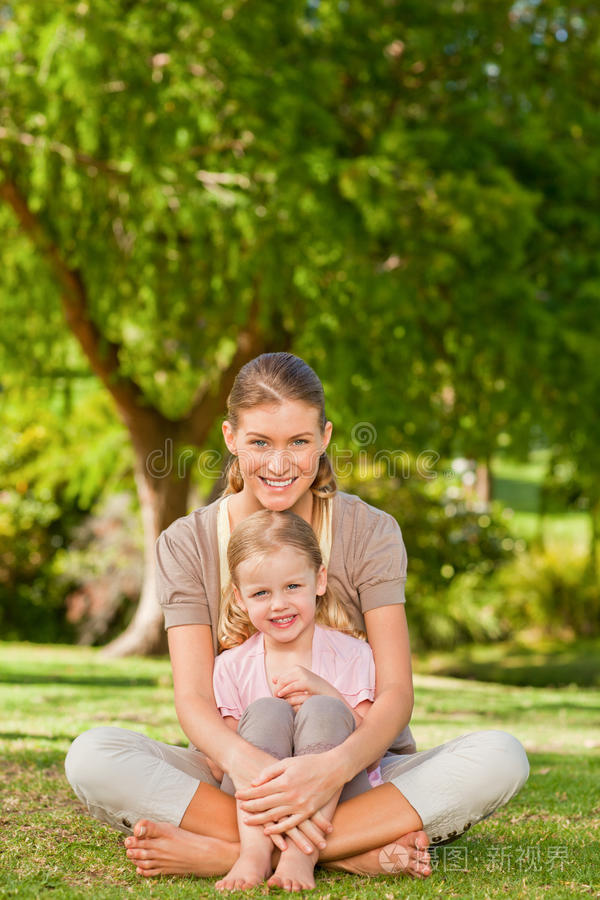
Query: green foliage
point(61, 452)
point(404, 194)
point(31, 597)
point(415, 225)
point(551, 588)
point(450, 547)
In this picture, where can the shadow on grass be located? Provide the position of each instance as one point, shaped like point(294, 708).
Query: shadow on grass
point(20, 735)
point(97, 680)
point(520, 665)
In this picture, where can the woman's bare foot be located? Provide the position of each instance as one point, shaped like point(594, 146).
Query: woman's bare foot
point(407, 856)
point(295, 870)
point(158, 848)
point(252, 867)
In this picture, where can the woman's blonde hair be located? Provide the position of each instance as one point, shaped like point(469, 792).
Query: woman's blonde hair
point(258, 535)
point(273, 378)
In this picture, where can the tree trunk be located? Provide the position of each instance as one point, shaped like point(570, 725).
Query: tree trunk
point(484, 483)
point(163, 498)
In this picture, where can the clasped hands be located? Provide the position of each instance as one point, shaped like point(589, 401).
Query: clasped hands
point(287, 796)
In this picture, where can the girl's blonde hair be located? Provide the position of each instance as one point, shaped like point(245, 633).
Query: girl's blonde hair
point(258, 535)
point(273, 378)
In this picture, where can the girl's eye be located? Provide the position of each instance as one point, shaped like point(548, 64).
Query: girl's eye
point(259, 594)
point(293, 586)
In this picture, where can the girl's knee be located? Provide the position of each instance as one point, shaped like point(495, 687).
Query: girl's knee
point(322, 703)
point(330, 711)
point(267, 709)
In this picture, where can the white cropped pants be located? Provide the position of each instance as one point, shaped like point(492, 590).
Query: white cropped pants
point(122, 776)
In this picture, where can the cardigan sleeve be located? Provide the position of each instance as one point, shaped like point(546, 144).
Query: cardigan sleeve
point(380, 560)
point(180, 586)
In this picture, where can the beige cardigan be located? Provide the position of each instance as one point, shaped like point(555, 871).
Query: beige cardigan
point(367, 567)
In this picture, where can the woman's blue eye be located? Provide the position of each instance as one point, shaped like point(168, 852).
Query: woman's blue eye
point(259, 443)
point(301, 441)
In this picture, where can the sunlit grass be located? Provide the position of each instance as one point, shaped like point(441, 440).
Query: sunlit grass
point(541, 662)
point(544, 844)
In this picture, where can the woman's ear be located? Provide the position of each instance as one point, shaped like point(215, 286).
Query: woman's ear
point(326, 435)
point(321, 581)
point(229, 436)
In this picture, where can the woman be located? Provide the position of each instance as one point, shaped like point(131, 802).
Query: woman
point(278, 433)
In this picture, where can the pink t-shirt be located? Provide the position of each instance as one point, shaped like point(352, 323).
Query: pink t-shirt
point(240, 677)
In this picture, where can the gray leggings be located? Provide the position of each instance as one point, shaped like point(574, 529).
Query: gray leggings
point(122, 776)
point(320, 724)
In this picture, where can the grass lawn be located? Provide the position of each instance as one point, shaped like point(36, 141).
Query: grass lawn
point(543, 662)
point(545, 844)
point(517, 486)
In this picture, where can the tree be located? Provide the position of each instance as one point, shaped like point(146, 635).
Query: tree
point(193, 183)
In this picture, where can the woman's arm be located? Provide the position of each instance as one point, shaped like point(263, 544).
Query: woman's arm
point(192, 660)
point(301, 784)
point(387, 633)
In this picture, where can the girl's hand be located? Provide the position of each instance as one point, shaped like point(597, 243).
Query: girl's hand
point(291, 791)
point(299, 683)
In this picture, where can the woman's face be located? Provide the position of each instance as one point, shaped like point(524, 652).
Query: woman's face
point(278, 447)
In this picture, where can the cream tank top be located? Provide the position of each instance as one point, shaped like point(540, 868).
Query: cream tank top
point(224, 533)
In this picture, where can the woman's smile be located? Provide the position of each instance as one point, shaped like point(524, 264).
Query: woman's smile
point(277, 483)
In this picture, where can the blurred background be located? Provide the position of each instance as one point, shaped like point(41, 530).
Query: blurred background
point(404, 194)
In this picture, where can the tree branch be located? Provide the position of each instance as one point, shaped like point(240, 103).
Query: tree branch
point(209, 404)
point(115, 170)
point(102, 354)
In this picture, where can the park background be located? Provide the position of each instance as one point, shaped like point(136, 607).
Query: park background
point(407, 196)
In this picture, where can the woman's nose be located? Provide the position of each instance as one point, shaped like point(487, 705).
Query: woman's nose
point(277, 462)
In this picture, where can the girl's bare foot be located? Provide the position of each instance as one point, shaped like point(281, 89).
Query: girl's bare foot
point(158, 848)
point(295, 870)
point(406, 856)
point(252, 867)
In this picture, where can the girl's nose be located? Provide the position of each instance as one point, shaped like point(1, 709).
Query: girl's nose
point(278, 601)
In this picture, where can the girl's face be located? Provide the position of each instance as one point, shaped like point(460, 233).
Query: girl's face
point(278, 447)
point(279, 592)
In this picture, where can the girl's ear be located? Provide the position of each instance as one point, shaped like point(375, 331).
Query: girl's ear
point(238, 599)
point(229, 436)
point(321, 581)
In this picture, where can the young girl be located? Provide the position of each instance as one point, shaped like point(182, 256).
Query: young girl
point(288, 686)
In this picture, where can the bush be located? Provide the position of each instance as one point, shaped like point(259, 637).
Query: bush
point(32, 599)
point(453, 551)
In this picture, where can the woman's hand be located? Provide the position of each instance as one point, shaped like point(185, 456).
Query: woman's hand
point(299, 683)
point(290, 791)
